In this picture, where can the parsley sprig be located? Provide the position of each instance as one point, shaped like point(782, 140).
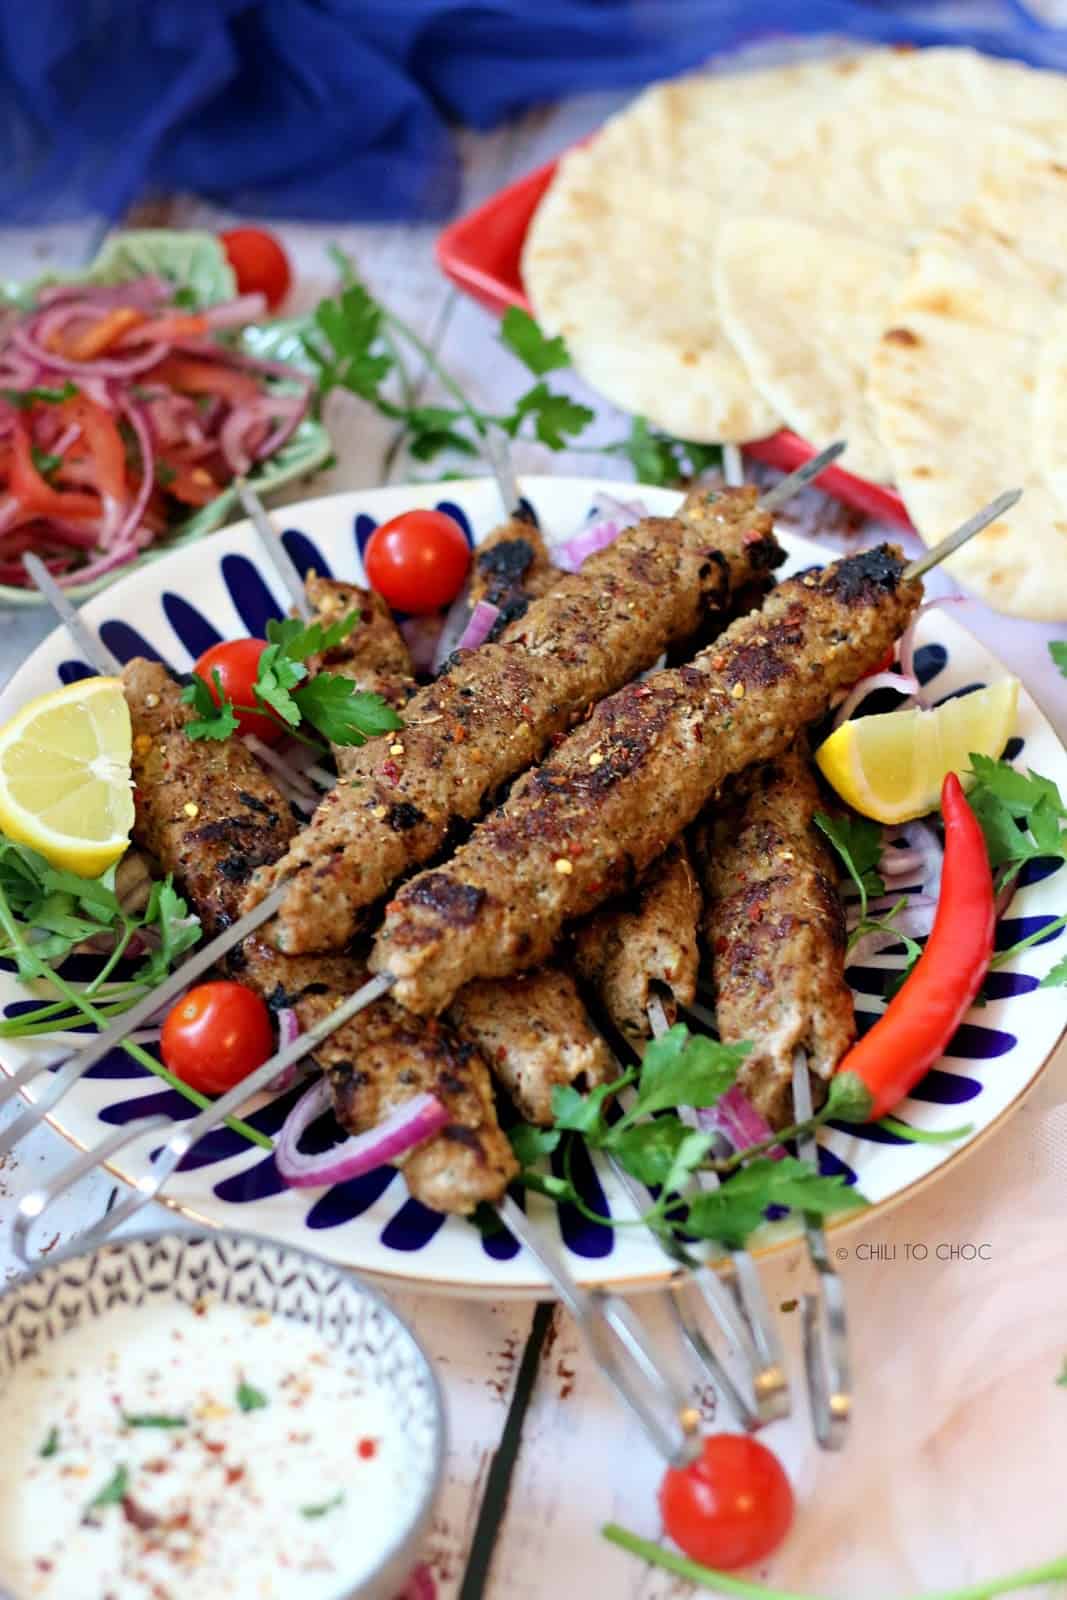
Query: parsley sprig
point(45, 912)
point(283, 691)
point(859, 843)
point(357, 344)
point(1023, 819)
point(653, 1143)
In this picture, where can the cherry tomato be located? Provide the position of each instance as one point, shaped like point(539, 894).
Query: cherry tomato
point(216, 1035)
point(417, 561)
point(237, 661)
point(259, 262)
point(733, 1506)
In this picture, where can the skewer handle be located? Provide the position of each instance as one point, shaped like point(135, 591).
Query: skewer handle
point(824, 1324)
point(619, 1347)
point(93, 649)
point(498, 457)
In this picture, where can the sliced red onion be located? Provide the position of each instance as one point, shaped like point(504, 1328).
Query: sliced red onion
point(99, 367)
point(734, 1116)
point(421, 635)
point(610, 517)
point(479, 626)
point(906, 643)
point(288, 1033)
point(455, 622)
point(899, 681)
point(900, 863)
point(409, 1125)
point(144, 293)
point(130, 525)
point(420, 1586)
point(922, 837)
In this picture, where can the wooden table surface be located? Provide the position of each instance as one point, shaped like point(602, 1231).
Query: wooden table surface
point(539, 1454)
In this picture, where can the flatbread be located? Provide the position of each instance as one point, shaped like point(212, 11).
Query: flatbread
point(806, 306)
point(620, 256)
point(955, 403)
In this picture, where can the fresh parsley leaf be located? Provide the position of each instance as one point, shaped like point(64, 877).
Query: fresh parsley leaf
point(561, 1190)
point(185, 297)
point(427, 441)
point(1057, 978)
point(356, 358)
point(327, 1505)
point(660, 1153)
point(684, 1069)
point(165, 474)
point(1058, 651)
point(249, 1398)
point(530, 1143)
point(859, 844)
point(276, 675)
point(152, 1419)
point(556, 416)
point(178, 931)
point(1021, 816)
point(1061, 1381)
point(23, 399)
point(51, 1444)
point(734, 1210)
point(535, 349)
point(584, 1113)
point(658, 458)
point(213, 720)
point(112, 1494)
point(297, 640)
point(341, 714)
point(46, 464)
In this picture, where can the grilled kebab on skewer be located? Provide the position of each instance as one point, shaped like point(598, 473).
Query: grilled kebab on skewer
point(582, 826)
point(645, 946)
point(206, 810)
point(496, 708)
point(510, 568)
point(774, 928)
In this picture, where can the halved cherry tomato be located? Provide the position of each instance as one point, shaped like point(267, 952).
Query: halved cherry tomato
point(237, 662)
point(260, 264)
point(733, 1506)
point(417, 561)
point(216, 1035)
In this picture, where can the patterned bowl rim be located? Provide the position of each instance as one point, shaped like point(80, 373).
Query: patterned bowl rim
point(415, 1528)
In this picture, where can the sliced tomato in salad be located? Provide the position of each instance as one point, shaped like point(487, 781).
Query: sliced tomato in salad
point(104, 333)
point(102, 442)
point(188, 481)
point(35, 495)
point(190, 376)
point(216, 1035)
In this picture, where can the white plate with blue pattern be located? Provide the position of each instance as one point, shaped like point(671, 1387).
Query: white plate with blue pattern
point(223, 588)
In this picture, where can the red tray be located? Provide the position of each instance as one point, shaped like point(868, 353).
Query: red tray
point(481, 253)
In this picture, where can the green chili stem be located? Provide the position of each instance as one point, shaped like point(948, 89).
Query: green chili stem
point(90, 1012)
point(656, 1556)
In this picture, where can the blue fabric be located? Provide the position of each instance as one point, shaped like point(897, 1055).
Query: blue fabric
point(343, 109)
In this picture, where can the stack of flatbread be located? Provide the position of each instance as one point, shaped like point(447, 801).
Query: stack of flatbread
point(873, 248)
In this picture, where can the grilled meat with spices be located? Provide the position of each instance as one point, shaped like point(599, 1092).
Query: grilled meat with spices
point(497, 707)
point(643, 945)
point(205, 809)
point(775, 930)
point(373, 656)
point(584, 825)
point(536, 1034)
point(510, 568)
point(380, 1060)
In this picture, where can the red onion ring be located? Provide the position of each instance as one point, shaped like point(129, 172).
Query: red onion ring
point(479, 626)
point(409, 1125)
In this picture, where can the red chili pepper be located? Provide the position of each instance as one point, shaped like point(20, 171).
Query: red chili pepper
point(920, 1020)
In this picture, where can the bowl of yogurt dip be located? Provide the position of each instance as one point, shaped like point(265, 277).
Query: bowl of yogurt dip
point(214, 1417)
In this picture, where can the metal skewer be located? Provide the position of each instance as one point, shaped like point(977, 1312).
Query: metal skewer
point(273, 543)
point(739, 1308)
point(967, 530)
point(788, 487)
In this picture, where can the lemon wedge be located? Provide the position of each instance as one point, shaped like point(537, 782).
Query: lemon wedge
point(65, 785)
point(892, 767)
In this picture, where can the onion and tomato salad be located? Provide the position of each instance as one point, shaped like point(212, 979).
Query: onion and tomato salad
point(123, 411)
